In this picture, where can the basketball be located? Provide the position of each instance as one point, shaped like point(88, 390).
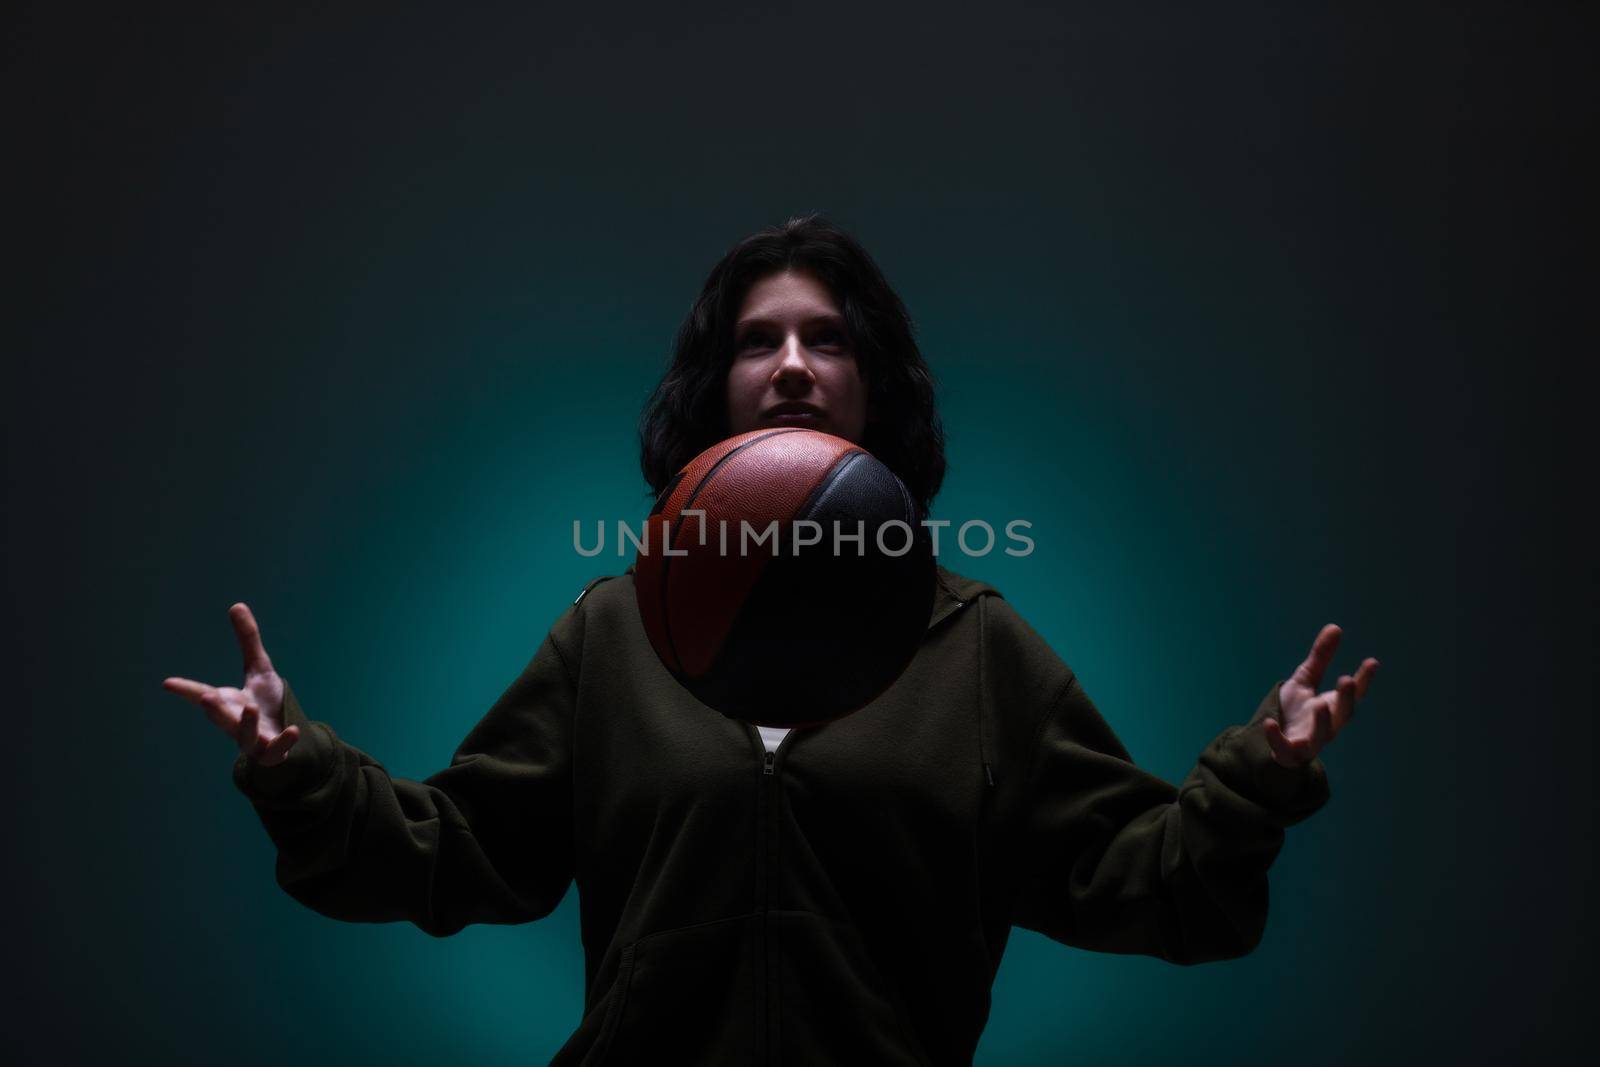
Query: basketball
point(784, 577)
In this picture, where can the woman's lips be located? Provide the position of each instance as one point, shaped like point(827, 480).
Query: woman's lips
point(796, 416)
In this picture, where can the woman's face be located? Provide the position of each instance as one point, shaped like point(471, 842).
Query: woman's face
point(793, 362)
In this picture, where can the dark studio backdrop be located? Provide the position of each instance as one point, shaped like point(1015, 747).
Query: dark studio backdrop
point(1261, 314)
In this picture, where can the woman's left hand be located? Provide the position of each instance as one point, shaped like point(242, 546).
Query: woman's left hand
point(1312, 719)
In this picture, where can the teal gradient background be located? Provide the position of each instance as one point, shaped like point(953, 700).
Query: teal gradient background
point(1258, 317)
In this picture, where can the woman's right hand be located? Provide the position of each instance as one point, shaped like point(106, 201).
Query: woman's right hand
point(253, 715)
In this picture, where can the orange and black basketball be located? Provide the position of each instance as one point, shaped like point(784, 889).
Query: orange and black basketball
point(756, 606)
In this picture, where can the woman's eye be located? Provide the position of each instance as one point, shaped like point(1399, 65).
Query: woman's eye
point(822, 339)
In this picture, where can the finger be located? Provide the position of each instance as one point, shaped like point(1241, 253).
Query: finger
point(1322, 725)
point(249, 634)
point(1369, 667)
point(1282, 752)
point(277, 749)
point(248, 733)
point(1305, 749)
point(1300, 750)
point(1310, 672)
point(192, 691)
point(1344, 705)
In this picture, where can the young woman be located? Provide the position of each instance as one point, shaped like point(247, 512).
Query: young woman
point(838, 893)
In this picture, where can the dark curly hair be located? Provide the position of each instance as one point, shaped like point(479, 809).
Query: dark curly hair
point(687, 412)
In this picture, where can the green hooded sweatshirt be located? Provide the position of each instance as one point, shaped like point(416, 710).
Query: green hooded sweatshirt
point(845, 899)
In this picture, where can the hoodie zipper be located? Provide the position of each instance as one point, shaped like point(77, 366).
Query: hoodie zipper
point(767, 798)
point(770, 787)
point(769, 792)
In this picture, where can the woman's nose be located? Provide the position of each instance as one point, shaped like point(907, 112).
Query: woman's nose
point(793, 364)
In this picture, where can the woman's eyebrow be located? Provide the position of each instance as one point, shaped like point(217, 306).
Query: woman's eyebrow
point(814, 320)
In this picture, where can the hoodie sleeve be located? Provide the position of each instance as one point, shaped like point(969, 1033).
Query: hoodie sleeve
point(1118, 860)
point(486, 840)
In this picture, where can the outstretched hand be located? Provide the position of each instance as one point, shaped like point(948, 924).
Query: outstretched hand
point(1312, 719)
point(253, 715)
